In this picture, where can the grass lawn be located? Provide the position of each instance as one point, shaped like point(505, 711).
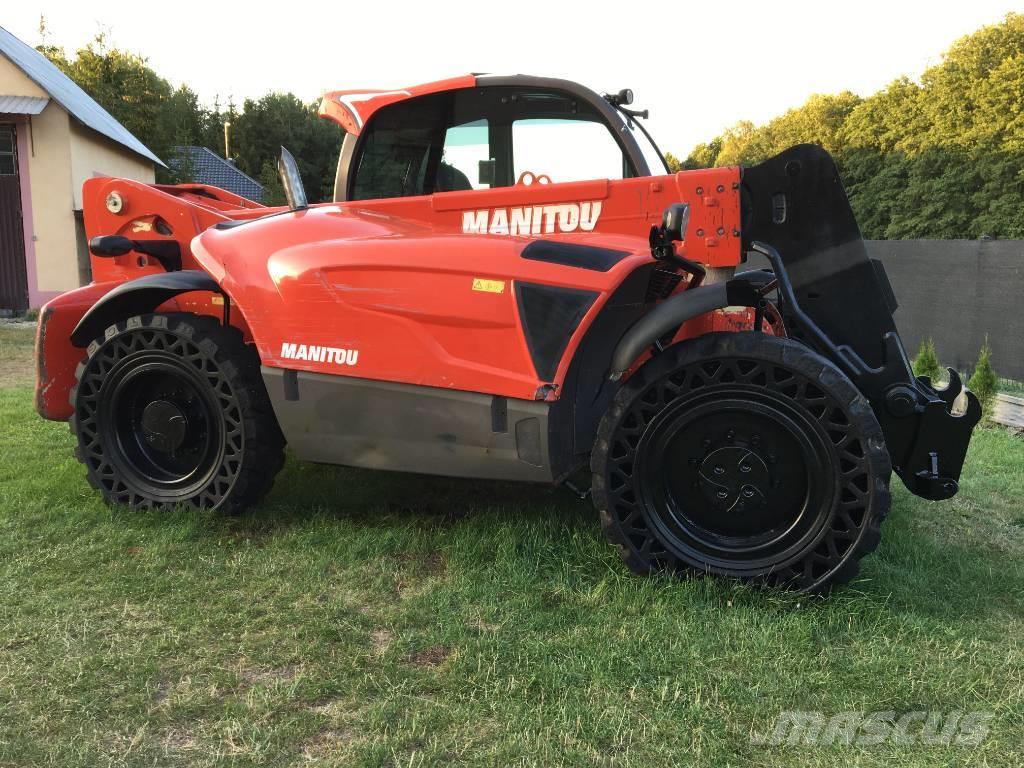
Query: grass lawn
point(373, 619)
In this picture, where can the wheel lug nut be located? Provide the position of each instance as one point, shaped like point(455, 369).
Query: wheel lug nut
point(744, 467)
point(748, 492)
point(719, 470)
point(706, 443)
point(722, 494)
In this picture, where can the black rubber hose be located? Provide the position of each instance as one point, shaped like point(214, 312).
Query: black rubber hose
point(671, 313)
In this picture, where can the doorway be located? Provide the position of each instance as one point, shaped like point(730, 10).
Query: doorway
point(13, 273)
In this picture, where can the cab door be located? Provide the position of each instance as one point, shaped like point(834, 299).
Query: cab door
point(444, 300)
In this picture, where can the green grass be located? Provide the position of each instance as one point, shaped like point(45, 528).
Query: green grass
point(373, 619)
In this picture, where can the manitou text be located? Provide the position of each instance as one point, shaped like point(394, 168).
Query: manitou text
point(315, 354)
point(533, 219)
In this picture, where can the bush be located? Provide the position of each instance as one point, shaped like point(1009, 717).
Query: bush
point(927, 362)
point(983, 382)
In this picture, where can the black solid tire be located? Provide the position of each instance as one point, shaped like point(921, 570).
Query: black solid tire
point(851, 470)
point(239, 447)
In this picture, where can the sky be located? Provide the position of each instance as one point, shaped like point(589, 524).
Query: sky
point(699, 67)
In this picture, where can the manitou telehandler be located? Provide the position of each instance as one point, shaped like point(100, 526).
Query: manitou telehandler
point(510, 284)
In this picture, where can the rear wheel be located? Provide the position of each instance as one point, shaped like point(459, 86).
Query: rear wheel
point(743, 455)
point(171, 409)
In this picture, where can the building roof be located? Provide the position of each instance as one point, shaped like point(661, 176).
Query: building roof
point(207, 167)
point(22, 105)
point(63, 90)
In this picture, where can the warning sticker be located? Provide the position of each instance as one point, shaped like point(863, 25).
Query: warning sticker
point(488, 286)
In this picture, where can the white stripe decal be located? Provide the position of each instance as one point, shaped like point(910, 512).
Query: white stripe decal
point(349, 100)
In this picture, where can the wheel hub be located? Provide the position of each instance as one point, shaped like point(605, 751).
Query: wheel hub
point(734, 479)
point(164, 425)
point(169, 432)
point(731, 473)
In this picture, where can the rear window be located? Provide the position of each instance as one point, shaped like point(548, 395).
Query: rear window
point(393, 163)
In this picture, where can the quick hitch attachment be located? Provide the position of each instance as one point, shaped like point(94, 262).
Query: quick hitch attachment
point(926, 437)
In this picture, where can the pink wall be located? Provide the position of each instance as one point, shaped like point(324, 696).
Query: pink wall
point(36, 298)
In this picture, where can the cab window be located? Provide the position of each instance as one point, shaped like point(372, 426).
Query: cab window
point(392, 163)
point(565, 150)
point(481, 138)
point(465, 159)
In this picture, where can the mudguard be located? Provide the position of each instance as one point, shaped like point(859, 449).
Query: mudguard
point(136, 297)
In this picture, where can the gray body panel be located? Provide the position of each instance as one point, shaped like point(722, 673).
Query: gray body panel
point(408, 428)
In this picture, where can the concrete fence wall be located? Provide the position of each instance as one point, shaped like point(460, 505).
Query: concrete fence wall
point(956, 292)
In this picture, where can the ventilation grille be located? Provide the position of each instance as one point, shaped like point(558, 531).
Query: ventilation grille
point(661, 284)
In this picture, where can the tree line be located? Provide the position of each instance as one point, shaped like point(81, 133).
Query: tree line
point(163, 117)
point(939, 157)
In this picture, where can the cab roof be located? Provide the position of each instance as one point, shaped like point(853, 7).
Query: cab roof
point(351, 109)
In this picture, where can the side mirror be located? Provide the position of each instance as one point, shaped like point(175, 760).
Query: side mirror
point(288, 170)
point(674, 221)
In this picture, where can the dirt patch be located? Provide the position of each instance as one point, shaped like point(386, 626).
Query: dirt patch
point(430, 657)
point(380, 641)
point(17, 359)
point(251, 676)
point(424, 563)
point(326, 742)
point(480, 625)
point(178, 740)
point(328, 708)
point(162, 691)
point(17, 368)
point(415, 567)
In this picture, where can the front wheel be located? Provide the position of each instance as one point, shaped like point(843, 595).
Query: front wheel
point(171, 409)
point(742, 455)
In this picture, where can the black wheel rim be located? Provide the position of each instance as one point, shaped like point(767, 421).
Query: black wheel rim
point(165, 423)
point(730, 476)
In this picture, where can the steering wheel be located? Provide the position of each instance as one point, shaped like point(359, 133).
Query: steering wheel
point(526, 178)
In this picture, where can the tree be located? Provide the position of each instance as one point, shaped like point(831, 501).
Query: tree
point(132, 92)
point(674, 163)
point(273, 189)
point(163, 117)
point(281, 119)
point(704, 155)
point(984, 382)
point(939, 158)
point(926, 362)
